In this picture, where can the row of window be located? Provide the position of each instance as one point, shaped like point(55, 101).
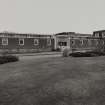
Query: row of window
point(97, 34)
point(89, 41)
point(21, 41)
point(62, 43)
point(81, 42)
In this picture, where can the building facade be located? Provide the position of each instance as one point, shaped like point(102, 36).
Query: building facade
point(100, 36)
point(76, 42)
point(15, 42)
point(100, 33)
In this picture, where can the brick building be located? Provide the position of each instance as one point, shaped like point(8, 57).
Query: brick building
point(16, 42)
point(80, 42)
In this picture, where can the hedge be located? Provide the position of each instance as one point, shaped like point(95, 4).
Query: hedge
point(8, 58)
point(87, 54)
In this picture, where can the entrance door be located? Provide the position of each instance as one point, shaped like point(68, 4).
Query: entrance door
point(62, 45)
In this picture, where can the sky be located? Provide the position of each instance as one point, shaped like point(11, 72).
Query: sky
point(52, 16)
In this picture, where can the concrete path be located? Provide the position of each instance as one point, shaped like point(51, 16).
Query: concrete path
point(39, 55)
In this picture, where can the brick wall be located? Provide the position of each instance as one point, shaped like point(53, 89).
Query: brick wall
point(87, 44)
point(13, 45)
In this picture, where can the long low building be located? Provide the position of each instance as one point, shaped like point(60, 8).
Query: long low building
point(78, 42)
point(16, 42)
point(20, 43)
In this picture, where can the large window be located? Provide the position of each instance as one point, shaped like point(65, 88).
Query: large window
point(4, 41)
point(21, 42)
point(96, 34)
point(81, 41)
point(62, 43)
point(103, 34)
point(36, 42)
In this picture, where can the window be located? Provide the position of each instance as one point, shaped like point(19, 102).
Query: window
point(103, 42)
point(96, 34)
point(4, 41)
point(62, 43)
point(103, 34)
point(89, 42)
point(48, 41)
point(36, 41)
point(21, 41)
point(81, 42)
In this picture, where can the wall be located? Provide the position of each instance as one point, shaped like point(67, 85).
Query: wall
point(13, 45)
point(87, 44)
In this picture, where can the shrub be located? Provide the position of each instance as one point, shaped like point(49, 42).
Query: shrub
point(83, 54)
point(99, 53)
point(66, 52)
point(8, 58)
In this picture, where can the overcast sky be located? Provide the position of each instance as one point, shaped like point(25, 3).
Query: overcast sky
point(52, 16)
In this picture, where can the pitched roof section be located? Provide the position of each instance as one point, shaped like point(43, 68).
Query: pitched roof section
point(83, 35)
point(65, 33)
point(73, 34)
point(99, 31)
point(13, 34)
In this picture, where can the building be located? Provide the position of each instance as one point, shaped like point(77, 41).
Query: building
point(100, 37)
point(16, 42)
point(100, 33)
point(74, 41)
